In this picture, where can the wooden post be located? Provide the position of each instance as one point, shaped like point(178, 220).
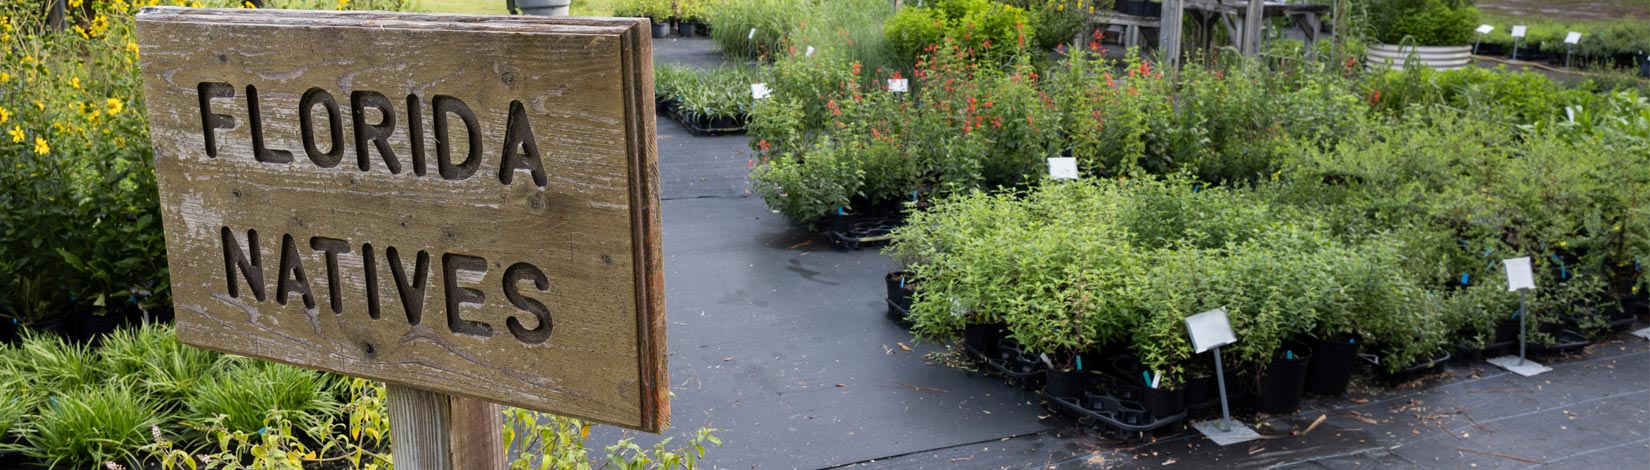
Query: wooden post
point(1168, 33)
point(1252, 27)
point(433, 431)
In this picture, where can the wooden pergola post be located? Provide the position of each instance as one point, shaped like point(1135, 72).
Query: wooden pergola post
point(1168, 33)
point(1252, 17)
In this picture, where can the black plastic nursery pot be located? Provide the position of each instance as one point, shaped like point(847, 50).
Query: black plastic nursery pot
point(1331, 366)
point(1284, 384)
point(90, 325)
point(660, 30)
point(9, 328)
point(687, 29)
point(57, 325)
point(1416, 371)
point(982, 338)
point(1565, 340)
point(901, 286)
point(1065, 384)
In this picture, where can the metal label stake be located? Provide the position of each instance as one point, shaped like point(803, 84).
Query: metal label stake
point(1520, 278)
point(1210, 330)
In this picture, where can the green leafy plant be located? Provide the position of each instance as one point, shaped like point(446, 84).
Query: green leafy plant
point(1424, 22)
point(545, 441)
point(242, 398)
point(87, 426)
point(151, 356)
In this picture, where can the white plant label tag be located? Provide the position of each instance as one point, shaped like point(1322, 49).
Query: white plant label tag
point(1210, 330)
point(1518, 31)
point(1485, 29)
point(760, 91)
point(1519, 276)
point(899, 85)
point(1570, 113)
point(1572, 38)
point(1062, 168)
point(810, 52)
point(752, 35)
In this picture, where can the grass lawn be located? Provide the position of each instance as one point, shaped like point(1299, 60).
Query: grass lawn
point(496, 7)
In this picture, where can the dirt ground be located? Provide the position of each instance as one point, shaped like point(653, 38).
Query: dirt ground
point(1567, 9)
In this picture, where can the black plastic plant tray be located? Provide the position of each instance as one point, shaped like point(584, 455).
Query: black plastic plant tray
point(698, 128)
point(1112, 418)
point(868, 231)
point(902, 316)
point(1568, 340)
point(1028, 375)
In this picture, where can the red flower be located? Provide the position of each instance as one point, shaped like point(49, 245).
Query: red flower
point(763, 144)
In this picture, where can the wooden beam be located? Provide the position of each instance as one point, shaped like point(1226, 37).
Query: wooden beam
point(1252, 27)
point(433, 431)
point(1168, 33)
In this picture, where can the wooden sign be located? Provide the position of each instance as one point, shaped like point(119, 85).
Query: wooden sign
point(461, 204)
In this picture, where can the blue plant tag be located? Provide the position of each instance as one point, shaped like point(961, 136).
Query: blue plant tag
point(1148, 375)
point(1079, 362)
point(1463, 279)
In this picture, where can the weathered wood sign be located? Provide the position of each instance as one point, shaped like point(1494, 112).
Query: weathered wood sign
point(461, 204)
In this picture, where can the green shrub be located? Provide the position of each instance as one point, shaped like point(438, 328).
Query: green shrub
point(659, 11)
point(87, 426)
point(246, 394)
point(1424, 22)
point(913, 29)
point(808, 188)
point(992, 31)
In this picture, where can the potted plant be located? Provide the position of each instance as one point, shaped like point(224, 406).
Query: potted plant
point(689, 17)
point(1421, 33)
point(544, 7)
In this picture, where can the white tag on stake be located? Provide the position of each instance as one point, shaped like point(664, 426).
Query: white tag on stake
point(899, 85)
point(1485, 29)
point(1062, 168)
point(1572, 38)
point(752, 35)
point(759, 91)
point(809, 53)
point(1518, 31)
point(1519, 276)
point(1210, 330)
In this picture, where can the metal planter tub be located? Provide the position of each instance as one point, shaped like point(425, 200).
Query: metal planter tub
point(1394, 57)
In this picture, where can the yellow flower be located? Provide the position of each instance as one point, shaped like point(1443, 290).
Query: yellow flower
point(75, 3)
point(113, 105)
point(4, 116)
point(132, 47)
point(40, 105)
point(16, 134)
point(40, 146)
point(5, 77)
point(75, 82)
